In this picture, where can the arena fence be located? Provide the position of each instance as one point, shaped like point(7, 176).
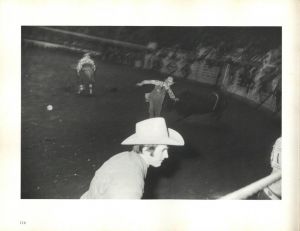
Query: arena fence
point(99, 39)
point(253, 188)
point(266, 96)
point(59, 46)
point(109, 50)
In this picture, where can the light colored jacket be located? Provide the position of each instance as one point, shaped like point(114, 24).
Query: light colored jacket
point(120, 177)
point(276, 165)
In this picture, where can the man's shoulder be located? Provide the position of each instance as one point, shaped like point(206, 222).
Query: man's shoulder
point(123, 164)
point(122, 156)
point(125, 153)
point(128, 155)
point(115, 162)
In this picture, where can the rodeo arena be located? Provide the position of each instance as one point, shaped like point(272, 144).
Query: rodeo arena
point(112, 112)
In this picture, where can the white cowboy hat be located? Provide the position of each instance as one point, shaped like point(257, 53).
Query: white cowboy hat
point(154, 131)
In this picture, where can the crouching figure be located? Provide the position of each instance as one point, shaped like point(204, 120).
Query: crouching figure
point(123, 175)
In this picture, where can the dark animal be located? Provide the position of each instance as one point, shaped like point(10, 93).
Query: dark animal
point(214, 103)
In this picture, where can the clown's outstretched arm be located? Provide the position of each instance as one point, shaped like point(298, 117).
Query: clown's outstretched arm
point(154, 82)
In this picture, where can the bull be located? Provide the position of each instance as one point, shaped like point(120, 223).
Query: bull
point(212, 104)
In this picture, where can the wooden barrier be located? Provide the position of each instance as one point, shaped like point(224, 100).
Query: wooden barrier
point(204, 73)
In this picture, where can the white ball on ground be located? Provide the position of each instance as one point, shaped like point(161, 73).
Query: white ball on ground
point(49, 107)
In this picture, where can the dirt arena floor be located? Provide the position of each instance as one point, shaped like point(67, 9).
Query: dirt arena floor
point(62, 148)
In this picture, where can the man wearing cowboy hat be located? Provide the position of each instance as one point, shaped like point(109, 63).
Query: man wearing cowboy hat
point(157, 96)
point(123, 175)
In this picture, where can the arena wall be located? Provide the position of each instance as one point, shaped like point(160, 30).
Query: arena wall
point(173, 63)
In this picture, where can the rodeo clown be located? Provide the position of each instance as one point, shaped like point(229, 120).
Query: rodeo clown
point(157, 96)
point(123, 175)
point(85, 70)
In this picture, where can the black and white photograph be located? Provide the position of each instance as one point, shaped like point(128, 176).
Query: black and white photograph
point(151, 112)
point(150, 115)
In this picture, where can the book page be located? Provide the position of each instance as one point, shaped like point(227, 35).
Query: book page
point(74, 214)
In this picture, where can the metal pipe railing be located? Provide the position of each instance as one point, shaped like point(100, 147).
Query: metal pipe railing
point(253, 188)
point(55, 45)
point(91, 37)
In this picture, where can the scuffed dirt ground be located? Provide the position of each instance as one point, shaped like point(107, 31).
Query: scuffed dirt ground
point(62, 148)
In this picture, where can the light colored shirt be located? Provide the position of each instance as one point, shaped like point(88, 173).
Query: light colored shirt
point(276, 165)
point(161, 84)
point(276, 155)
point(120, 177)
point(83, 61)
